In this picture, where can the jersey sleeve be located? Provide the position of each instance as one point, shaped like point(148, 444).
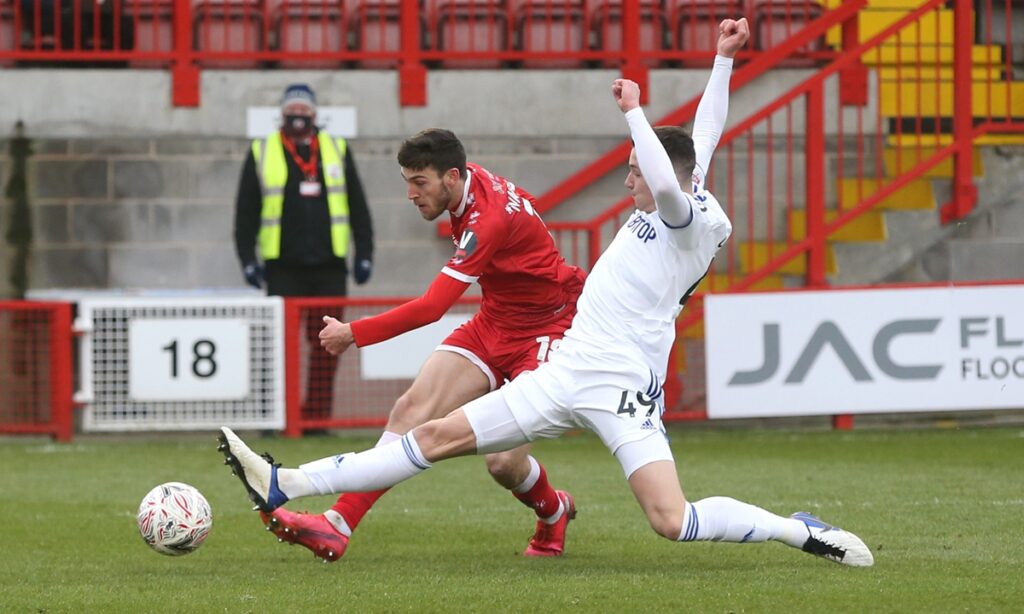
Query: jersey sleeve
point(709, 122)
point(477, 246)
point(656, 167)
point(435, 302)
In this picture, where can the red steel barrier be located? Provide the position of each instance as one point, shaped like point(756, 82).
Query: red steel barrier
point(35, 368)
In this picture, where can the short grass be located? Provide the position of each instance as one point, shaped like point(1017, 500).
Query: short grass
point(943, 511)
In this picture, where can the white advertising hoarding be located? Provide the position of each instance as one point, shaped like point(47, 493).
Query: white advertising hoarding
point(336, 121)
point(179, 359)
point(864, 351)
point(402, 357)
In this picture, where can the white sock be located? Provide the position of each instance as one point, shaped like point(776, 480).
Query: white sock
point(373, 469)
point(729, 520)
point(294, 484)
point(553, 518)
point(531, 478)
point(387, 437)
point(338, 522)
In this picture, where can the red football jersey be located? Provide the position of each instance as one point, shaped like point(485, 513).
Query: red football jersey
point(502, 244)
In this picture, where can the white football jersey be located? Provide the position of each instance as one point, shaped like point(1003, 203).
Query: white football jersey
point(626, 314)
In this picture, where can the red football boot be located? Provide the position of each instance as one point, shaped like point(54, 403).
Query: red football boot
point(549, 539)
point(311, 531)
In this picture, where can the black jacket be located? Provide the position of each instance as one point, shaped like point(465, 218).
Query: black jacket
point(305, 221)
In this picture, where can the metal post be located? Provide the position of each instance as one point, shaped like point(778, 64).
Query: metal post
point(965, 194)
point(816, 187)
point(412, 74)
point(184, 71)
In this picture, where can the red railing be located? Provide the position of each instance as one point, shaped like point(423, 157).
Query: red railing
point(409, 35)
point(35, 368)
point(322, 392)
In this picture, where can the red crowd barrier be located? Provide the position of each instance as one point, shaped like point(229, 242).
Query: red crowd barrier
point(35, 368)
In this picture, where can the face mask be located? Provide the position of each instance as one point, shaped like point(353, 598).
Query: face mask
point(297, 125)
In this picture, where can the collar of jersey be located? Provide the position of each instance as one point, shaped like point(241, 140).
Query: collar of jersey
point(465, 195)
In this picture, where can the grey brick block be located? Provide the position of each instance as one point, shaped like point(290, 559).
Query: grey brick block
point(204, 223)
point(201, 147)
point(150, 178)
point(399, 220)
point(50, 224)
point(216, 266)
point(111, 147)
point(987, 260)
point(404, 270)
point(69, 267)
point(69, 178)
point(103, 223)
point(50, 147)
point(215, 179)
point(150, 267)
point(381, 179)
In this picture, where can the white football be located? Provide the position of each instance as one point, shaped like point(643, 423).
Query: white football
point(174, 518)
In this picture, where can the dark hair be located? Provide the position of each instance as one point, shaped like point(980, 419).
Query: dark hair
point(679, 146)
point(436, 148)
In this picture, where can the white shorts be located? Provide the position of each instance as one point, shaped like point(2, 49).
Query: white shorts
point(620, 407)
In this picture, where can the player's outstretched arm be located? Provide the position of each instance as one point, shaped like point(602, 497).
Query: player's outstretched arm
point(655, 165)
point(709, 122)
point(336, 336)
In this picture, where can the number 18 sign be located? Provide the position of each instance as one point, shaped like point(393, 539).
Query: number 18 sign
point(188, 359)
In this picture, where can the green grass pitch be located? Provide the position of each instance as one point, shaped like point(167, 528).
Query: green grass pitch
point(943, 511)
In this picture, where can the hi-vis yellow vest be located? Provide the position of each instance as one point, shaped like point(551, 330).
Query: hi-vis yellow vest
point(272, 170)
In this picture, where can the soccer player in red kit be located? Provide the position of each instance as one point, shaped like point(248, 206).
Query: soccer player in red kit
point(528, 301)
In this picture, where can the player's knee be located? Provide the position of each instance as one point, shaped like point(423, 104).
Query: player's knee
point(408, 413)
point(503, 468)
point(666, 523)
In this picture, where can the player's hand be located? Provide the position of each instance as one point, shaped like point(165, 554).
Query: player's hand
point(336, 336)
point(626, 94)
point(732, 35)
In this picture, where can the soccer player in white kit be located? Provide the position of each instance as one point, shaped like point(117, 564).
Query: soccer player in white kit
point(607, 375)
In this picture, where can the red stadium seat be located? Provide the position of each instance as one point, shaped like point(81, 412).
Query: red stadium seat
point(154, 28)
point(8, 35)
point(695, 24)
point(471, 25)
point(552, 27)
point(228, 27)
point(776, 20)
point(606, 25)
point(311, 27)
point(377, 27)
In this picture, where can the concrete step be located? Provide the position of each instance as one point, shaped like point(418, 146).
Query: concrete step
point(898, 159)
point(933, 27)
point(915, 195)
point(912, 99)
point(932, 140)
point(866, 228)
point(930, 73)
point(907, 54)
point(721, 282)
point(755, 254)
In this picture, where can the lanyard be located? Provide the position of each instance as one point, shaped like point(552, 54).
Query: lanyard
point(308, 169)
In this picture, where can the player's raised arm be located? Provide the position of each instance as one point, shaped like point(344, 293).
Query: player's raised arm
point(714, 104)
point(655, 165)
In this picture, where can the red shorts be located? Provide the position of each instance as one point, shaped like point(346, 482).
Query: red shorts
point(503, 354)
